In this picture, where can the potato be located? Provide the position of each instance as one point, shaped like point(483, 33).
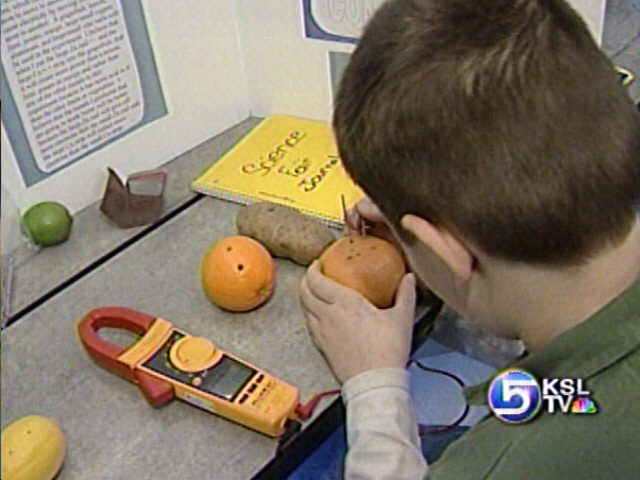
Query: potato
point(284, 231)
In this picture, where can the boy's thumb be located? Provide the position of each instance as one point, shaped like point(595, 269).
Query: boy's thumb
point(406, 293)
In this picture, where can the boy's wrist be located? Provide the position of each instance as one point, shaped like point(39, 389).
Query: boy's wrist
point(374, 379)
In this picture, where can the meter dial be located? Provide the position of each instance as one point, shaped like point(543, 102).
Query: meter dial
point(193, 354)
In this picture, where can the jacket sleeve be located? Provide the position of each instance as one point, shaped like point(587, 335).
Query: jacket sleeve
point(382, 432)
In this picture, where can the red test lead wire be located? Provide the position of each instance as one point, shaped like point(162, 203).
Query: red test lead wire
point(305, 411)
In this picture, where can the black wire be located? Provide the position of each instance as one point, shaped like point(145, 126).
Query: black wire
point(463, 415)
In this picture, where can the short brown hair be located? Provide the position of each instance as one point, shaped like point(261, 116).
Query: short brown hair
point(500, 119)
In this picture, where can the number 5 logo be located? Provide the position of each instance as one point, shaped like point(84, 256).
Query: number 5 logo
point(514, 396)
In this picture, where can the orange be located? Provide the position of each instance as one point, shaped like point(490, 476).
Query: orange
point(368, 265)
point(238, 273)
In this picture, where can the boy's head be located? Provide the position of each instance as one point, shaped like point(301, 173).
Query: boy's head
point(498, 119)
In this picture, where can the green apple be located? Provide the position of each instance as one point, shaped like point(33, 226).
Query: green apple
point(47, 223)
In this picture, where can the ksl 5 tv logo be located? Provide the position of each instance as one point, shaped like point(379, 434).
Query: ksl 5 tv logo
point(515, 396)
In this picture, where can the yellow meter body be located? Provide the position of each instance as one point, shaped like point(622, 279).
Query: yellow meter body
point(167, 362)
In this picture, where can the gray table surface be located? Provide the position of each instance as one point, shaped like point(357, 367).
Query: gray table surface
point(112, 432)
point(93, 235)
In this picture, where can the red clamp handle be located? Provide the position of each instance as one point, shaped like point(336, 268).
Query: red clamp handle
point(107, 354)
point(104, 352)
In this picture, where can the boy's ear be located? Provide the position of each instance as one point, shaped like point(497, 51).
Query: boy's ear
point(443, 243)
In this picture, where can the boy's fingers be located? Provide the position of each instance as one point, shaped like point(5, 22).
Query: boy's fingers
point(369, 210)
point(310, 302)
point(322, 287)
point(406, 294)
point(326, 289)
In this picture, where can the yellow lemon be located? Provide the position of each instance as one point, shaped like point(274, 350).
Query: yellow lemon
point(33, 448)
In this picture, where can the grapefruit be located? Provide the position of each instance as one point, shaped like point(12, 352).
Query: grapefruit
point(368, 265)
point(238, 273)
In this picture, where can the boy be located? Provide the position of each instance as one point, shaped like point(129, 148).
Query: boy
point(495, 142)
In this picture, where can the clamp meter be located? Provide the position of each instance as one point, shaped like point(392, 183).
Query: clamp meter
point(166, 362)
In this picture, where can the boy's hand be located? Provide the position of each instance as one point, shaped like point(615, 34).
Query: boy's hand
point(354, 335)
point(366, 214)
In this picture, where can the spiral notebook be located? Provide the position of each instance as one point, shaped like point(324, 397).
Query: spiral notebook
point(284, 160)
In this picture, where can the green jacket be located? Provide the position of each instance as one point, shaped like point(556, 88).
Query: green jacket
point(604, 351)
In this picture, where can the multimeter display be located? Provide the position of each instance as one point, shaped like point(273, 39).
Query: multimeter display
point(227, 378)
point(224, 379)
